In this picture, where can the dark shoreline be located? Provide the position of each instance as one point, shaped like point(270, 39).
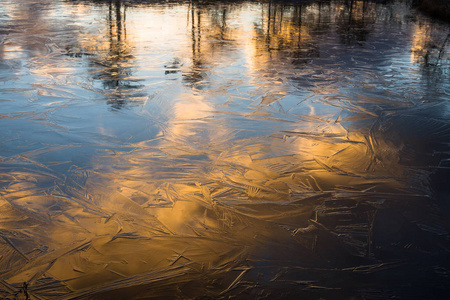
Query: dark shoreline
point(439, 9)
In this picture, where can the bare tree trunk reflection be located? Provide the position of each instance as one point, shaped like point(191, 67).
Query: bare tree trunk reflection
point(196, 74)
point(116, 67)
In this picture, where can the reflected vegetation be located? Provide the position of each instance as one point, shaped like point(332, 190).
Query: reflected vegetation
point(223, 150)
point(355, 21)
point(113, 63)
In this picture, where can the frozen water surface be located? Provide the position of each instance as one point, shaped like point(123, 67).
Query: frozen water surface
point(241, 150)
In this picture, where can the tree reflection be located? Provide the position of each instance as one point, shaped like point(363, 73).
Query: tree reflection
point(116, 67)
point(430, 48)
point(355, 21)
point(210, 35)
point(285, 33)
point(197, 71)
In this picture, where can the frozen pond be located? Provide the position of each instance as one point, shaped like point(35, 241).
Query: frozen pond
point(229, 150)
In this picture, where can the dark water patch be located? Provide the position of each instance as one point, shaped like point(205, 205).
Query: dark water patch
point(439, 9)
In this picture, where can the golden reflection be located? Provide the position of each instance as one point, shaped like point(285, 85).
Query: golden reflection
point(419, 43)
point(189, 108)
point(427, 45)
point(284, 28)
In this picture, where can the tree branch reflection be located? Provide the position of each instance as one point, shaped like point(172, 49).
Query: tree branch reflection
point(115, 68)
